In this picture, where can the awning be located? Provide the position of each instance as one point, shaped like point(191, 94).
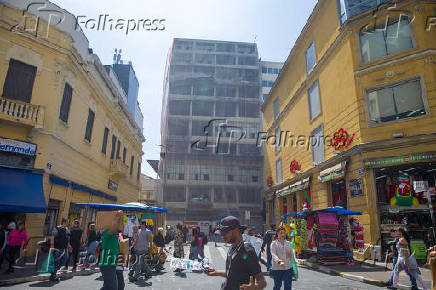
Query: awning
point(299, 185)
point(21, 191)
point(337, 210)
point(334, 172)
point(133, 206)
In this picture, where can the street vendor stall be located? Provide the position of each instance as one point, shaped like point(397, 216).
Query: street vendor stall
point(134, 212)
point(329, 233)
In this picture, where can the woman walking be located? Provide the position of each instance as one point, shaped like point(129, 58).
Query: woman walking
point(16, 239)
point(282, 258)
point(405, 261)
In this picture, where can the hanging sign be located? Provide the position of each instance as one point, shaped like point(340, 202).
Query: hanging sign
point(341, 139)
point(15, 146)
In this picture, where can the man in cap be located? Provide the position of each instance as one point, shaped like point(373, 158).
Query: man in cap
point(242, 266)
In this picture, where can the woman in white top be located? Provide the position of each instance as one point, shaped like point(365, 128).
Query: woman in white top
point(282, 256)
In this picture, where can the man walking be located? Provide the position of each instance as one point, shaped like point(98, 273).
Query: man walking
point(59, 246)
point(141, 244)
point(394, 255)
point(267, 240)
point(242, 267)
point(76, 242)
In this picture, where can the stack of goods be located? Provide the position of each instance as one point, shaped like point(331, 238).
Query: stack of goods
point(359, 243)
point(345, 233)
point(329, 240)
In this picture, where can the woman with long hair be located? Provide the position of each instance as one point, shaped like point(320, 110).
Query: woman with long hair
point(405, 260)
point(282, 258)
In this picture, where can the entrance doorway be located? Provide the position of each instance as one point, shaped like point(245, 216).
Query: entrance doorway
point(339, 193)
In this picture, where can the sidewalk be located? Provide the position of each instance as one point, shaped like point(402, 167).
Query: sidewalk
point(28, 273)
point(368, 273)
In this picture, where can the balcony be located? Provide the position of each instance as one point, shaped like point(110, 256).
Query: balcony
point(118, 168)
point(21, 112)
point(350, 8)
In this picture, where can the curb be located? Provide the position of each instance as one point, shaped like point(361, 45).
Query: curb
point(348, 276)
point(333, 272)
point(46, 277)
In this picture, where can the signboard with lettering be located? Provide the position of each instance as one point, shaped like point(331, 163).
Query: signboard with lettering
point(19, 147)
point(420, 186)
point(356, 187)
point(400, 160)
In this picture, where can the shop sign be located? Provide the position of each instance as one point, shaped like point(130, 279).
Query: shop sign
point(335, 172)
point(112, 185)
point(356, 187)
point(15, 146)
point(341, 139)
point(400, 160)
point(420, 186)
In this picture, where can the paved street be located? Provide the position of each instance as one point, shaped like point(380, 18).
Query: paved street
point(309, 279)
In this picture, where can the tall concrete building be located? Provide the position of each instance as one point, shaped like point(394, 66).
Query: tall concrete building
point(210, 165)
point(270, 70)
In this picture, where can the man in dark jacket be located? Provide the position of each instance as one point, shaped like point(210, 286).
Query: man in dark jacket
point(267, 240)
point(75, 241)
point(59, 246)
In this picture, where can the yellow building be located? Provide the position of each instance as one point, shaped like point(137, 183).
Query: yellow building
point(148, 190)
point(354, 110)
point(66, 134)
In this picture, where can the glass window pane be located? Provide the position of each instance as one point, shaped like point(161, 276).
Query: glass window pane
point(201, 108)
point(310, 57)
point(314, 102)
point(408, 99)
point(204, 58)
point(317, 143)
point(276, 108)
point(225, 109)
point(381, 105)
point(225, 47)
point(399, 36)
point(225, 59)
point(179, 107)
point(279, 171)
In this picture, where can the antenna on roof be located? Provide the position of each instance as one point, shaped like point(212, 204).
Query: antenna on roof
point(117, 56)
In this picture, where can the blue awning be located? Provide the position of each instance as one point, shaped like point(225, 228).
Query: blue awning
point(127, 206)
point(337, 210)
point(21, 191)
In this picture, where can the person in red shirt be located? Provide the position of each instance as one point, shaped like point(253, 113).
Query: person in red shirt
point(16, 239)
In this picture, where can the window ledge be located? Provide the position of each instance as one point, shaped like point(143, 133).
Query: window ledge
point(65, 124)
point(87, 142)
point(375, 125)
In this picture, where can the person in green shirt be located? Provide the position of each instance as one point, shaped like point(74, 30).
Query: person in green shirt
point(112, 279)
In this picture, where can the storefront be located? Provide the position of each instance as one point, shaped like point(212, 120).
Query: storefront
point(295, 197)
point(334, 177)
point(404, 185)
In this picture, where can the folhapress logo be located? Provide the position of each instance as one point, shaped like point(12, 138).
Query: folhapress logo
point(105, 23)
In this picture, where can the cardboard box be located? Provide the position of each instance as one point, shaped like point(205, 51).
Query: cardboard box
point(124, 247)
point(105, 219)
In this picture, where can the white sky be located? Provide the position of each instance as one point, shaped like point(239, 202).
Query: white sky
point(275, 24)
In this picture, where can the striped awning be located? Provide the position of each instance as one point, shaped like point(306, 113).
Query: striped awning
point(334, 172)
point(299, 185)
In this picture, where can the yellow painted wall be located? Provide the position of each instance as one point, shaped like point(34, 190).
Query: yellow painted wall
point(63, 145)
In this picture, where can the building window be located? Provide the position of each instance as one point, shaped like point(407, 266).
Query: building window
point(249, 75)
point(248, 195)
point(249, 110)
point(314, 102)
point(317, 143)
point(89, 125)
point(225, 109)
point(178, 127)
point(132, 161)
point(224, 59)
point(66, 103)
point(118, 149)
point(202, 108)
point(397, 101)
point(267, 84)
point(51, 218)
point(199, 194)
point(180, 108)
point(180, 88)
point(246, 48)
point(19, 81)
point(225, 47)
point(199, 172)
point(251, 92)
point(386, 39)
point(264, 70)
point(138, 173)
point(114, 144)
point(203, 88)
point(264, 96)
point(276, 109)
point(247, 60)
point(278, 139)
point(224, 194)
point(202, 58)
point(105, 136)
point(175, 170)
point(225, 91)
point(182, 57)
point(206, 46)
point(181, 44)
point(310, 57)
point(175, 194)
point(124, 154)
point(279, 171)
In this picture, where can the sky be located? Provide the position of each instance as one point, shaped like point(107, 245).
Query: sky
point(273, 24)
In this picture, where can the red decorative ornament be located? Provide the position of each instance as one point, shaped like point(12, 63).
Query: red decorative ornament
point(294, 166)
point(269, 181)
point(341, 139)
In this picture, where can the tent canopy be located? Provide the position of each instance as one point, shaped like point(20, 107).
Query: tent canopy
point(133, 206)
point(337, 210)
